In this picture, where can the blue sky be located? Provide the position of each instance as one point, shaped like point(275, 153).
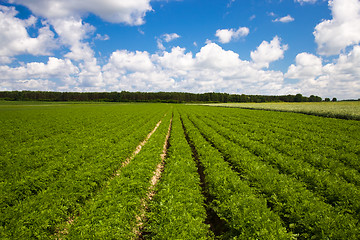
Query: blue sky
point(267, 47)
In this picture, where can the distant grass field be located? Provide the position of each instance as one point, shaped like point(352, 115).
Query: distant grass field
point(345, 110)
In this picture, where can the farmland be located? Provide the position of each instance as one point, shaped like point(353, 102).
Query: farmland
point(345, 110)
point(173, 171)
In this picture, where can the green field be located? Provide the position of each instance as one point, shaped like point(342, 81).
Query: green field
point(162, 171)
point(345, 110)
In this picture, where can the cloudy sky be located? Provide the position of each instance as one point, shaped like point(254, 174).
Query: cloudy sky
point(269, 47)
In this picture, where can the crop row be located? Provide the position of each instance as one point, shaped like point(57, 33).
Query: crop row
point(177, 209)
point(335, 139)
point(73, 167)
point(244, 212)
point(333, 188)
point(113, 212)
point(302, 211)
point(66, 173)
point(43, 162)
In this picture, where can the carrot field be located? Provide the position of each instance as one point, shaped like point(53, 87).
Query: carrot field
point(174, 171)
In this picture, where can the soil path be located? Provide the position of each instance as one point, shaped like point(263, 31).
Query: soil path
point(141, 219)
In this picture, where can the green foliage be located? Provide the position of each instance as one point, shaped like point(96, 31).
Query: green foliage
point(336, 190)
point(245, 213)
point(302, 210)
point(112, 213)
point(55, 158)
point(165, 97)
point(177, 210)
point(229, 173)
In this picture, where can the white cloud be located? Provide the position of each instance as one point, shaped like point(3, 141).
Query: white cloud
point(130, 61)
point(38, 75)
point(308, 66)
point(333, 36)
point(212, 56)
point(54, 68)
point(71, 30)
point(160, 45)
point(15, 39)
point(285, 19)
point(130, 12)
point(226, 35)
point(272, 14)
point(268, 52)
point(305, 1)
point(211, 69)
point(100, 37)
point(66, 18)
point(177, 60)
point(30, 84)
point(339, 79)
point(169, 37)
point(90, 74)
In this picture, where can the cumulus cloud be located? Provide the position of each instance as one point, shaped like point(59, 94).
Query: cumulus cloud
point(285, 19)
point(38, 75)
point(268, 52)
point(15, 39)
point(66, 18)
point(343, 30)
point(130, 12)
point(177, 61)
point(90, 75)
point(308, 66)
point(72, 31)
point(30, 85)
point(54, 68)
point(125, 61)
point(226, 35)
point(135, 71)
point(210, 69)
point(340, 78)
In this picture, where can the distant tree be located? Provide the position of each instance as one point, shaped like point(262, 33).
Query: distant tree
point(298, 98)
point(334, 100)
point(327, 99)
point(313, 98)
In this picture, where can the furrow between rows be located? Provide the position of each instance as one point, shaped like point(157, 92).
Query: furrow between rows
point(301, 210)
point(244, 212)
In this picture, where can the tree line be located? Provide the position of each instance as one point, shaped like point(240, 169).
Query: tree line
point(169, 97)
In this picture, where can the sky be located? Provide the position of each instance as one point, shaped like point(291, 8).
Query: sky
point(266, 47)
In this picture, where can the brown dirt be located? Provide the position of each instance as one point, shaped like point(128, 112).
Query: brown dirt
point(140, 219)
point(137, 149)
